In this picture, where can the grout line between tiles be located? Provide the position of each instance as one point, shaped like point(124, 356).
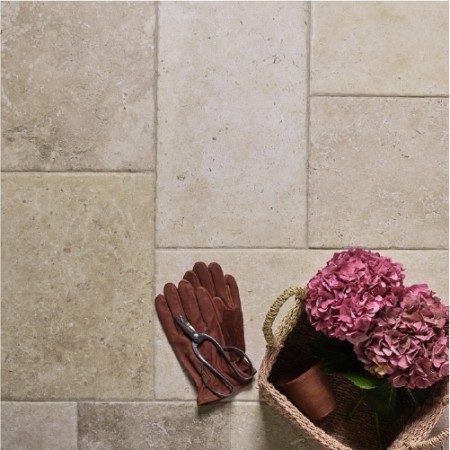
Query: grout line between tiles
point(80, 172)
point(155, 181)
point(78, 426)
point(229, 425)
point(121, 400)
point(237, 248)
point(308, 118)
point(377, 95)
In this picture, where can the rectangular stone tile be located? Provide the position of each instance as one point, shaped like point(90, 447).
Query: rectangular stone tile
point(379, 48)
point(77, 259)
point(424, 266)
point(378, 172)
point(262, 275)
point(154, 425)
point(77, 85)
point(257, 427)
point(232, 124)
point(39, 426)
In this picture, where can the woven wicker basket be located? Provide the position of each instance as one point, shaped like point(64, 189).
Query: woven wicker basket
point(287, 351)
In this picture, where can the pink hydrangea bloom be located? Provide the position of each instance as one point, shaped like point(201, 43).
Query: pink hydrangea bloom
point(345, 296)
point(409, 342)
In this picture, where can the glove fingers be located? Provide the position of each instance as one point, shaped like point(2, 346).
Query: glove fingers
point(208, 311)
point(234, 290)
point(201, 269)
point(179, 343)
point(219, 282)
point(173, 300)
point(191, 306)
point(219, 308)
point(192, 277)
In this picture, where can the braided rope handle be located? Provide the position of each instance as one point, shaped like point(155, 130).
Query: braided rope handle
point(289, 321)
point(430, 443)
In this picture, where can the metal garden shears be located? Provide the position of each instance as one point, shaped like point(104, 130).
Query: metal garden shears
point(198, 339)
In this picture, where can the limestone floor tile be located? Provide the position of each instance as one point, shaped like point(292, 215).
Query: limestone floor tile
point(255, 426)
point(262, 275)
point(379, 48)
point(36, 426)
point(154, 425)
point(429, 266)
point(77, 259)
point(378, 172)
point(232, 124)
point(441, 426)
point(77, 85)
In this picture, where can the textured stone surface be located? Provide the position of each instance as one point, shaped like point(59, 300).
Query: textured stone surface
point(257, 427)
point(378, 172)
point(175, 425)
point(77, 284)
point(77, 85)
point(232, 124)
point(262, 275)
point(387, 48)
point(429, 267)
point(39, 426)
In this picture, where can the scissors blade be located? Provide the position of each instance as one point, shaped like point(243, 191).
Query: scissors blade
point(188, 329)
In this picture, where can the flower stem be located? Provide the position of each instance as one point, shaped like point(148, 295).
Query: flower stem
point(412, 396)
point(354, 408)
point(377, 427)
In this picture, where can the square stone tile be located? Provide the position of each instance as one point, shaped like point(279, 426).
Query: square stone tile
point(424, 266)
point(35, 426)
point(257, 427)
point(154, 425)
point(232, 124)
point(77, 259)
point(379, 48)
point(378, 172)
point(77, 85)
point(262, 275)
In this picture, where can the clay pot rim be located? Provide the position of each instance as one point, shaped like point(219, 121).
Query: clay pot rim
point(303, 376)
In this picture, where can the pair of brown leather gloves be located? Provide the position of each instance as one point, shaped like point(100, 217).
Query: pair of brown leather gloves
point(210, 302)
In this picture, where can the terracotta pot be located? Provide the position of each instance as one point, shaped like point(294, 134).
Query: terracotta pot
point(311, 393)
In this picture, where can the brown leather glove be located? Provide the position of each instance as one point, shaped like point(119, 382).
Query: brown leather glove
point(226, 299)
point(227, 303)
point(197, 307)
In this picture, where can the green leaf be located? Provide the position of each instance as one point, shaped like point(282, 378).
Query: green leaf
point(336, 355)
point(384, 400)
point(419, 395)
point(364, 380)
point(351, 413)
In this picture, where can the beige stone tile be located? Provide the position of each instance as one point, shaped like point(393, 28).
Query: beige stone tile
point(77, 259)
point(155, 425)
point(262, 275)
point(232, 124)
point(77, 85)
point(35, 426)
point(257, 427)
point(424, 266)
point(383, 48)
point(378, 172)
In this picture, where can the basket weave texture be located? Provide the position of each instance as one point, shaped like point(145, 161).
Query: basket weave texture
point(288, 352)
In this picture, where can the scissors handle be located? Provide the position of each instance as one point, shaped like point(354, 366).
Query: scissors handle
point(246, 375)
point(198, 338)
point(220, 376)
point(224, 353)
